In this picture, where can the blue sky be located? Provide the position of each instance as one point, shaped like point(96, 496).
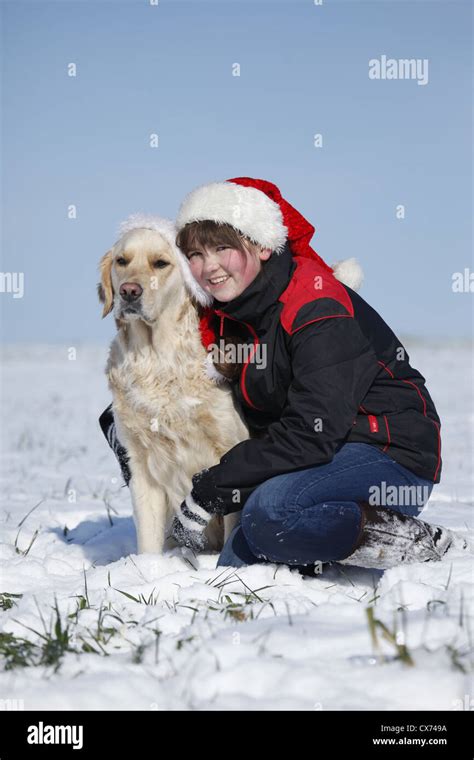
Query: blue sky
point(167, 69)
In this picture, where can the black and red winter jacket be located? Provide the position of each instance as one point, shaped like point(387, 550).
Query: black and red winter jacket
point(335, 373)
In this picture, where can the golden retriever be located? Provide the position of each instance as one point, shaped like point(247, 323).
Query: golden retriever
point(171, 416)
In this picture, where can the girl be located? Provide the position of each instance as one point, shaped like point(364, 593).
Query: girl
point(345, 438)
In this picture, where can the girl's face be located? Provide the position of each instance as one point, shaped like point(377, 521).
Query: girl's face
point(225, 272)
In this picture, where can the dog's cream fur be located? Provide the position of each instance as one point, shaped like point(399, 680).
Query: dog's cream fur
point(172, 418)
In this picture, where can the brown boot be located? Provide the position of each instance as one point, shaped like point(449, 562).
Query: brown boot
point(388, 538)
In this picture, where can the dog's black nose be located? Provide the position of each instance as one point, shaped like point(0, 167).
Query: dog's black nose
point(131, 291)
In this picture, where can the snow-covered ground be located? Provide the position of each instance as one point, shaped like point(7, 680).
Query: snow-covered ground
point(258, 637)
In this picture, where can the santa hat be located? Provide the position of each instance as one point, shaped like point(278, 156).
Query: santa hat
point(257, 209)
point(167, 229)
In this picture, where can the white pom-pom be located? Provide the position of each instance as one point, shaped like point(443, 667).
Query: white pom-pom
point(349, 272)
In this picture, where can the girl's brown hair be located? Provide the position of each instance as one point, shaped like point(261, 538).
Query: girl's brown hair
point(208, 233)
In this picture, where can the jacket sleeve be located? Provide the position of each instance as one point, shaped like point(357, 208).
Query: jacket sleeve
point(333, 367)
point(107, 425)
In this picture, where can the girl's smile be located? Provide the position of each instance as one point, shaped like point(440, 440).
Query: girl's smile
point(217, 281)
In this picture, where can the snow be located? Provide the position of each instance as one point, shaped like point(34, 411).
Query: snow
point(292, 642)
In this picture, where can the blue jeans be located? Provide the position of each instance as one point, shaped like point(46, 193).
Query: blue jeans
point(312, 515)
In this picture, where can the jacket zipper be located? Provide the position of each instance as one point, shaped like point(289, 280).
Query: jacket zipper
point(256, 342)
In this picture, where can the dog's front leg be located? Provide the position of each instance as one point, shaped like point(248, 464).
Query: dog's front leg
point(149, 511)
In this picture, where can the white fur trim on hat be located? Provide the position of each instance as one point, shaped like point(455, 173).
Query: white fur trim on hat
point(349, 272)
point(247, 209)
point(167, 229)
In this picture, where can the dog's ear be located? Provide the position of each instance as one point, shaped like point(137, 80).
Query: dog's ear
point(104, 288)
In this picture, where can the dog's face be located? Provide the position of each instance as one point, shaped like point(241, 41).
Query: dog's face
point(140, 275)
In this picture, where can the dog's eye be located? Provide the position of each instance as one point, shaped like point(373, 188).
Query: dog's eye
point(121, 261)
point(160, 264)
